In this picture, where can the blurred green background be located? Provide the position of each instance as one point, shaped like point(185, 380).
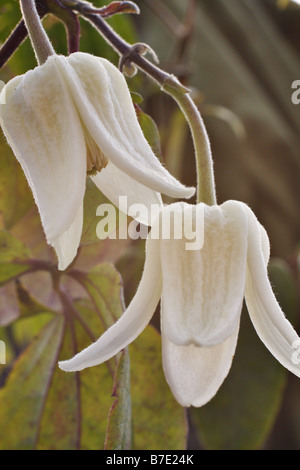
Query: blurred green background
point(239, 57)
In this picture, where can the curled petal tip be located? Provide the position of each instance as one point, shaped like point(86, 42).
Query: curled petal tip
point(190, 191)
point(66, 366)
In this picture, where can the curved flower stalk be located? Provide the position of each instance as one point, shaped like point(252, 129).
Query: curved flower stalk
point(70, 117)
point(202, 290)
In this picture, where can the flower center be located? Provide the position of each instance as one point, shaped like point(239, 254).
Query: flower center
point(95, 158)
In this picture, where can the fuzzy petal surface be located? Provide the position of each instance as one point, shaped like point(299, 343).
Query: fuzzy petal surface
point(194, 373)
point(114, 184)
point(66, 245)
point(42, 126)
point(271, 325)
point(105, 106)
point(203, 289)
point(133, 321)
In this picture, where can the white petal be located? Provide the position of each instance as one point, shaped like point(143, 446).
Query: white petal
point(66, 245)
point(195, 374)
point(132, 322)
point(268, 319)
point(104, 103)
point(42, 126)
point(203, 289)
point(114, 183)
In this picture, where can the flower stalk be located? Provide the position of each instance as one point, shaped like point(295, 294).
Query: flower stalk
point(40, 42)
point(206, 192)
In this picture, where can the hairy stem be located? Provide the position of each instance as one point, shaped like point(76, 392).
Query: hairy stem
point(40, 42)
point(204, 163)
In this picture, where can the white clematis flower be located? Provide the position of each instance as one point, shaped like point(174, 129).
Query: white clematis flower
point(201, 295)
point(72, 116)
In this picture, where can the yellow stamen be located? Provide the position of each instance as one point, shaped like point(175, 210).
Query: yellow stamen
point(95, 158)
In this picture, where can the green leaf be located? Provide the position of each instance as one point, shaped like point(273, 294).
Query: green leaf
point(75, 414)
point(15, 195)
point(104, 287)
point(9, 307)
point(22, 398)
point(136, 97)
point(13, 257)
point(150, 131)
point(28, 305)
point(118, 436)
point(60, 421)
point(92, 199)
point(159, 422)
point(47, 408)
point(243, 411)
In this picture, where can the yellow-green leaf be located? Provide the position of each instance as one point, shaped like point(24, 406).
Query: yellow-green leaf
point(159, 422)
point(118, 436)
point(22, 399)
point(13, 257)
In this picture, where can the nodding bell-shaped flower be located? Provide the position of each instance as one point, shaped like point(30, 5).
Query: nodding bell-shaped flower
point(72, 117)
point(202, 287)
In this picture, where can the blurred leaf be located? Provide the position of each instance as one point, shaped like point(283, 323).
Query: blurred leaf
point(75, 413)
point(135, 258)
point(9, 307)
point(150, 131)
point(27, 386)
point(118, 436)
point(11, 249)
point(23, 59)
point(28, 305)
point(30, 231)
point(284, 286)
point(234, 122)
point(105, 289)
point(90, 399)
point(92, 199)
point(58, 410)
point(60, 420)
point(159, 422)
point(175, 143)
point(136, 97)
point(15, 195)
point(10, 14)
point(243, 412)
point(24, 329)
point(103, 284)
point(13, 257)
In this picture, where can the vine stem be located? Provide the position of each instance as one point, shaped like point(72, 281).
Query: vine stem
point(170, 84)
point(40, 42)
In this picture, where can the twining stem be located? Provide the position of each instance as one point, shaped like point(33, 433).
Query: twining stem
point(205, 177)
point(40, 42)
